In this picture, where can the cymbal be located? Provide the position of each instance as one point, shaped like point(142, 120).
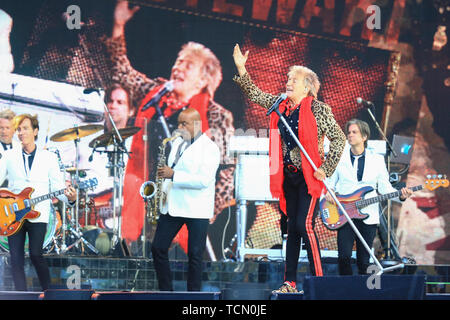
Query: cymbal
point(73, 170)
point(108, 138)
point(76, 132)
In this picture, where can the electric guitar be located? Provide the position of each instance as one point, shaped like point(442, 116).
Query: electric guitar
point(16, 208)
point(333, 218)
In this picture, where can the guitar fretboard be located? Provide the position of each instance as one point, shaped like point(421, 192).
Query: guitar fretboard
point(46, 196)
point(91, 183)
point(365, 202)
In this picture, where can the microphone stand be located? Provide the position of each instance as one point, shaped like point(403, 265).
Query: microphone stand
point(162, 120)
point(358, 234)
point(381, 132)
point(388, 260)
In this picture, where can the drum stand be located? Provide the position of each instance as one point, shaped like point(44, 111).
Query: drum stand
point(274, 108)
point(76, 232)
point(117, 164)
point(80, 237)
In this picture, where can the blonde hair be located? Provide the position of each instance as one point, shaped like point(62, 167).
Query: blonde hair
point(7, 114)
point(312, 82)
point(211, 69)
point(33, 119)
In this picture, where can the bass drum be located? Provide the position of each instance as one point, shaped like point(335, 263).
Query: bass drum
point(100, 238)
point(53, 230)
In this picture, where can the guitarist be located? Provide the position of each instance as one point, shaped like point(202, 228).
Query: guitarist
point(7, 130)
point(359, 168)
point(30, 166)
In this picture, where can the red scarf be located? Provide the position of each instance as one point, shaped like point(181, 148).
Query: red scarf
point(133, 210)
point(307, 134)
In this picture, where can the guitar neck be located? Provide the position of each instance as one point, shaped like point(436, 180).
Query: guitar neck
point(365, 202)
point(47, 196)
point(82, 185)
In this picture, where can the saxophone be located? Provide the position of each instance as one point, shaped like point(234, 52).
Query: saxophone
point(152, 192)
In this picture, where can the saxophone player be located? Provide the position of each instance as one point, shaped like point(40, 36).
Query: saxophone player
point(191, 165)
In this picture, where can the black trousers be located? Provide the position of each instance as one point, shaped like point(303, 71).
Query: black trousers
point(166, 231)
point(346, 238)
point(301, 212)
point(36, 234)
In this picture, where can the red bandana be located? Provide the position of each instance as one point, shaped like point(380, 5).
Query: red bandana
point(307, 133)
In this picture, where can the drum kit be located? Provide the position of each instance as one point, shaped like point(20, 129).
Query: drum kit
point(76, 228)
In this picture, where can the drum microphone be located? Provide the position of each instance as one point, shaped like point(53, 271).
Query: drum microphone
point(167, 87)
point(91, 157)
point(365, 103)
point(280, 99)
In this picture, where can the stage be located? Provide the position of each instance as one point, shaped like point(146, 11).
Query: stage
point(135, 278)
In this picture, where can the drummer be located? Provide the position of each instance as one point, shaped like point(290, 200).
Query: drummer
point(118, 100)
point(95, 163)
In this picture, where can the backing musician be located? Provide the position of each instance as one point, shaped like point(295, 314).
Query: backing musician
point(30, 166)
point(118, 100)
point(192, 165)
point(359, 167)
point(7, 131)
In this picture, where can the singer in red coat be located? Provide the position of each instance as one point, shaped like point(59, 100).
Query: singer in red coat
point(195, 75)
point(292, 178)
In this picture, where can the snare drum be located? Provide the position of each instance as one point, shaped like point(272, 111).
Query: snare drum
point(53, 229)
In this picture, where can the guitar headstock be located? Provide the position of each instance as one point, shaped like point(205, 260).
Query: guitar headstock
point(436, 181)
point(88, 184)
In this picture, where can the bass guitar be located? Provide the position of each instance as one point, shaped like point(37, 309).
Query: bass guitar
point(16, 208)
point(334, 218)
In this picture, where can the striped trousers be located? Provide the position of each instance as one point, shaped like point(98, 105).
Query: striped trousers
point(301, 212)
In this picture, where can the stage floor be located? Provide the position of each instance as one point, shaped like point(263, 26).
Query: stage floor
point(253, 280)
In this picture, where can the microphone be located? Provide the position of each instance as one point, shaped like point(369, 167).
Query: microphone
point(365, 103)
point(167, 87)
point(90, 90)
point(280, 99)
point(91, 157)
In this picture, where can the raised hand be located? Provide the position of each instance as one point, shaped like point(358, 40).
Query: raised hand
point(122, 14)
point(240, 59)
